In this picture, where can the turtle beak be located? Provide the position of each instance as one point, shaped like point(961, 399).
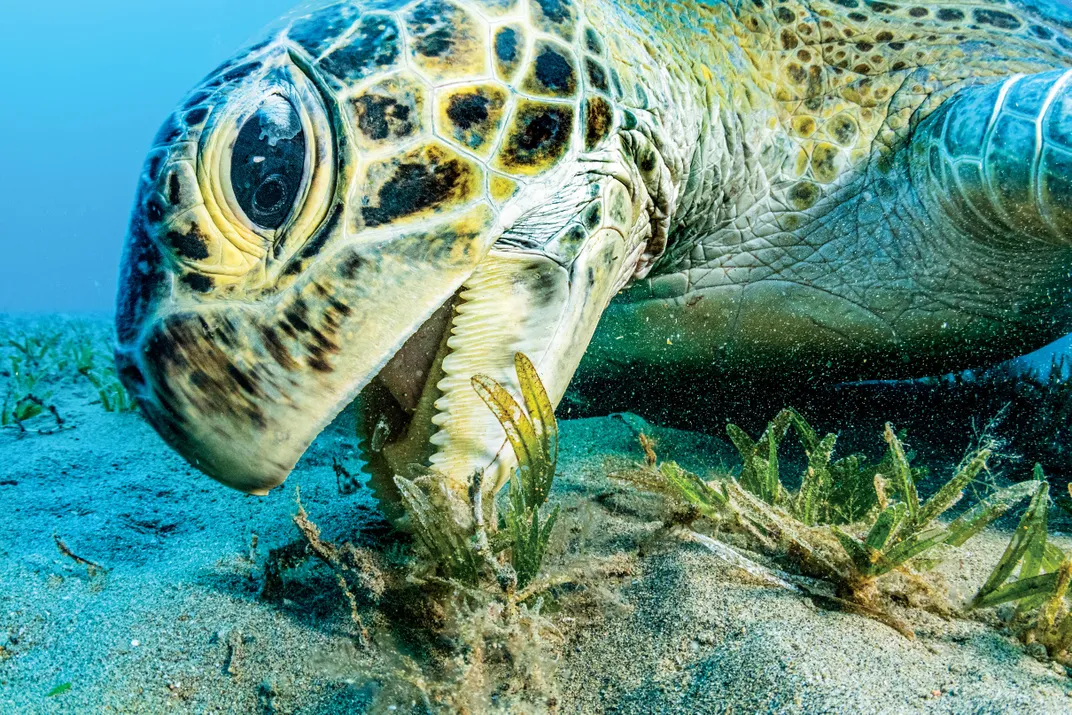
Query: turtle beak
point(241, 389)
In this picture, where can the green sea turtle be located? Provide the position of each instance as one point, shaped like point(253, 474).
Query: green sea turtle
point(390, 196)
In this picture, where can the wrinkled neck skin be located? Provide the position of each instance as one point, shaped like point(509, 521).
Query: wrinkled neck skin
point(793, 252)
point(682, 110)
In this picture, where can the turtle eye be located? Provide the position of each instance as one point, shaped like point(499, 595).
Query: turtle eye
point(268, 163)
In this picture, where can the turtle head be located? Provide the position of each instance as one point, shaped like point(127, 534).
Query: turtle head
point(365, 204)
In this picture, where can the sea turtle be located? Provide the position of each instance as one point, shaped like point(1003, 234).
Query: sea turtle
point(387, 197)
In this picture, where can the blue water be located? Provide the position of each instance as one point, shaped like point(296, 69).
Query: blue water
point(86, 88)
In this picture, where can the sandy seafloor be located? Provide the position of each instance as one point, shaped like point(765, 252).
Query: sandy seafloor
point(176, 624)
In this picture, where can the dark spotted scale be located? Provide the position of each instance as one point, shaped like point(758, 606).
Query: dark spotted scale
point(553, 72)
point(538, 137)
point(416, 184)
point(596, 75)
point(558, 17)
point(446, 40)
point(598, 119)
point(472, 116)
point(509, 49)
point(374, 46)
point(388, 112)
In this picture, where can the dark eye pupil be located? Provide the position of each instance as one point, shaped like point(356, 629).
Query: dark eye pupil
point(268, 162)
point(270, 196)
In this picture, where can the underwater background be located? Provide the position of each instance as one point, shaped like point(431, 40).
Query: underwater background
point(130, 582)
point(88, 86)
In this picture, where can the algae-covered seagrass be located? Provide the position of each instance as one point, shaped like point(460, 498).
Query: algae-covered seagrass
point(392, 196)
point(1034, 574)
point(852, 522)
point(462, 539)
point(26, 367)
point(470, 598)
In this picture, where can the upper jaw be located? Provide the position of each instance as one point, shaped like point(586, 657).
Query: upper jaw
point(241, 390)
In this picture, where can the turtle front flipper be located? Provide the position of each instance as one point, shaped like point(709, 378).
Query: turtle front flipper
point(996, 161)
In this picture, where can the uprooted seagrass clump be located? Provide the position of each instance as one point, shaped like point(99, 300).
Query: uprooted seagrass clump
point(850, 524)
point(463, 542)
point(473, 589)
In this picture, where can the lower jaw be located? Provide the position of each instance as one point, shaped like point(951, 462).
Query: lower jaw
point(511, 303)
